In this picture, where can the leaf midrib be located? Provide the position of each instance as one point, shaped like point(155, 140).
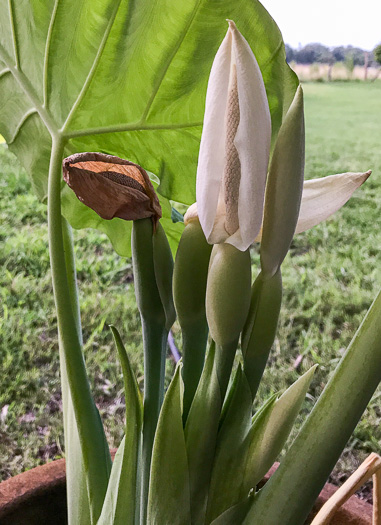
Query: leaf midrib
point(45, 114)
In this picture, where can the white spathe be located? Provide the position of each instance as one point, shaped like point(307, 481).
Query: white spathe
point(235, 146)
point(321, 198)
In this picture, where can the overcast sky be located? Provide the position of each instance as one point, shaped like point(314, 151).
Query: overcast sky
point(330, 22)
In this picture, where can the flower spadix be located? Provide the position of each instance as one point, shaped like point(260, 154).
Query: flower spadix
point(235, 145)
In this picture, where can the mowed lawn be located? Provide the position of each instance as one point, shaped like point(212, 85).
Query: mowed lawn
point(330, 278)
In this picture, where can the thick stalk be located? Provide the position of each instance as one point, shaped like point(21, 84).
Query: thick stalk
point(95, 452)
point(155, 337)
point(291, 492)
point(77, 497)
point(189, 289)
point(155, 344)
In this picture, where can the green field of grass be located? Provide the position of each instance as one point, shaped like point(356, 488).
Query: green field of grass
point(330, 278)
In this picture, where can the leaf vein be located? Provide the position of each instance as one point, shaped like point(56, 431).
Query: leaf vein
point(13, 31)
point(4, 72)
point(136, 126)
point(273, 55)
point(29, 91)
point(93, 67)
point(169, 61)
point(24, 118)
point(46, 54)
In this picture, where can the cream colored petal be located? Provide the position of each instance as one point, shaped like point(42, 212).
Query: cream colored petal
point(218, 233)
point(323, 197)
point(212, 148)
point(252, 141)
point(191, 214)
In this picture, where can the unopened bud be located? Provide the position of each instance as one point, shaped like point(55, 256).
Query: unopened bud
point(228, 292)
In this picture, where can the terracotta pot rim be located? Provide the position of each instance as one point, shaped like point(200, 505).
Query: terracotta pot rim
point(39, 481)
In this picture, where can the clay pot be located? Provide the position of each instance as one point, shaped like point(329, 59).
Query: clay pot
point(38, 496)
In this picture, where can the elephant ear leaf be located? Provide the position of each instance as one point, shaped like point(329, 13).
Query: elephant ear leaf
point(117, 77)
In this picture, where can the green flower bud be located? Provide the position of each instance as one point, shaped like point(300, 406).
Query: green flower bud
point(284, 189)
point(228, 292)
point(190, 274)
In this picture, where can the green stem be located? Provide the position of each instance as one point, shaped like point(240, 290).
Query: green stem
point(260, 329)
point(155, 344)
point(77, 497)
point(195, 337)
point(224, 360)
point(291, 492)
point(96, 456)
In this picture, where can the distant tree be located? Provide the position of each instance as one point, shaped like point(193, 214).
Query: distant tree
point(358, 56)
point(349, 64)
point(290, 53)
point(377, 54)
point(313, 53)
point(377, 59)
point(338, 54)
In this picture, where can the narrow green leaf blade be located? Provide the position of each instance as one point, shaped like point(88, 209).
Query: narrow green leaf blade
point(269, 434)
point(169, 495)
point(230, 450)
point(77, 496)
point(235, 515)
point(201, 434)
point(121, 505)
point(291, 492)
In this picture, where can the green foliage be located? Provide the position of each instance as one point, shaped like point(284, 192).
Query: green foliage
point(201, 433)
point(169, 496)
point(134, 90)
point(326, 430)
point(284, 189)
point(246, 449)
point(330, 278)
point(377, 54)
point(349, 64)
point(194, 450)
point(311, 53)
point(119, 506)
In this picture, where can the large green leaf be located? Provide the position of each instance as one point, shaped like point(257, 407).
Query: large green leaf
point(122, 77)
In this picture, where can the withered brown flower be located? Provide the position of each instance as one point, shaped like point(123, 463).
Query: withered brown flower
point(111, 186)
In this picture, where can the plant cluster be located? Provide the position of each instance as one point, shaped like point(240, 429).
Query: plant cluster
point(195, 454)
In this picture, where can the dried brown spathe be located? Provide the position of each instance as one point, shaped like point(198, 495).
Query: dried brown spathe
point(111, 186)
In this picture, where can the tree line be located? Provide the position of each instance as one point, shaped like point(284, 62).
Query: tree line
point(312, 53)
